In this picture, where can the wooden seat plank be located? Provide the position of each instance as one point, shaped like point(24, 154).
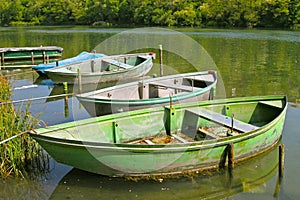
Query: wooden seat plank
point(206, 78)
point(179, 138)
point(173, 86)
point(224, 120)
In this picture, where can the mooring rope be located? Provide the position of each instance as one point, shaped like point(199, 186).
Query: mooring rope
point(17, 135)
point(34, 99)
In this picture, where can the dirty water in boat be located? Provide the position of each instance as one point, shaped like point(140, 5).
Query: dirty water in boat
point(249, 63)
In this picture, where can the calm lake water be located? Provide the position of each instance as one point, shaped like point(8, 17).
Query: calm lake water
point(249, 63)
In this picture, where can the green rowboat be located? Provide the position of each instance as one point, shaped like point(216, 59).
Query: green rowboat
point(168, 140)
point(183, 88)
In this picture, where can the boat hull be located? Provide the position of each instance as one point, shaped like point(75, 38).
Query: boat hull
point(120, 159)
point(214, 186)
point(104, 108)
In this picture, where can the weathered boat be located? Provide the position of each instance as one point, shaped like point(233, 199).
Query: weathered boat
point(79, 58)
point(183, 88)
point(33, 54)
point(172, 139)
point(106, 69)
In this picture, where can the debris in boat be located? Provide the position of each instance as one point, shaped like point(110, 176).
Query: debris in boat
point(163, 139)
point(216, 132)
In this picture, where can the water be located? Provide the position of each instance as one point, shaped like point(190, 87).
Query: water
point(249, 63)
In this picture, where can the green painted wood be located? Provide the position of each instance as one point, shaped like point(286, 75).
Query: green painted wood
point(16, 53)
point(224, 120)
point(89, 144)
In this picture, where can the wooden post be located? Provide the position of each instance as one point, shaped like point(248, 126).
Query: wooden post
point(231, 155)
point(32, 58)
point(44, 57)
point(79, 81)
point(47, 59)
point(92, 65)
point(280, 170)
point(2, 59)
point(65, 87)
point(232, 120)
point(160, 60)
point(281, 160)
point(115, 131)
point(56, 63)
point(66, 99)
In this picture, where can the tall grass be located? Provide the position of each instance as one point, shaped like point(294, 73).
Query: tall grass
point(20, 156)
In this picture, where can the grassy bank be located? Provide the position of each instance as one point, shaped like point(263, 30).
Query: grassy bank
point(21, 155)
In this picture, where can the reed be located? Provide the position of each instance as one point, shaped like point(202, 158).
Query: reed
point(20, 156)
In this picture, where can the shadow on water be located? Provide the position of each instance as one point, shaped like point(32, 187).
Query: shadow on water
point(249, 176)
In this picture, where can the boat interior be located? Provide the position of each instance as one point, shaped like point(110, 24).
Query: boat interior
point(158, 89)
point(217, 122)
point(180, 125)
point(107, 64)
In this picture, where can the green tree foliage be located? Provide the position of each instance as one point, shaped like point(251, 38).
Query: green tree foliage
point(227, 13)
point(275, 11)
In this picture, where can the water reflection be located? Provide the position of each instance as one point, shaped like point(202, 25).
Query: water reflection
point(250, 176)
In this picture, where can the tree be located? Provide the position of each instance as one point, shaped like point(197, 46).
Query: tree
point(5, 16)
point(186, 16)
point(274, 13)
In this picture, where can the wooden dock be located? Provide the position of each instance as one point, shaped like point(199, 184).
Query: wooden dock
point(26, 57)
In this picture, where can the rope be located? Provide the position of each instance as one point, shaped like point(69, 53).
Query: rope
point(17, 135)
point(34, 99)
